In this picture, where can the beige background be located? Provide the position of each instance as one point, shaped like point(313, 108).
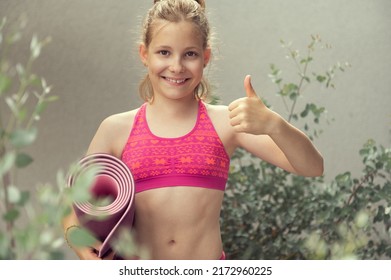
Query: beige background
point(93, 66)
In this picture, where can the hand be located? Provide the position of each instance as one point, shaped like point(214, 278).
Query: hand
point(87, 253)
point(250, 115)
point(91, 253)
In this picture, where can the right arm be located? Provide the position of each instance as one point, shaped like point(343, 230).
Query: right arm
point(110, 138)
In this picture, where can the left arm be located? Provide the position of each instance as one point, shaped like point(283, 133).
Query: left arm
point(268, 136)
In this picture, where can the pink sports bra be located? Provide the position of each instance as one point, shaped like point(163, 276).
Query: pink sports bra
point(196, 159)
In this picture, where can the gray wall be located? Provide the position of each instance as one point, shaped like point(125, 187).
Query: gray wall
point(93, 66)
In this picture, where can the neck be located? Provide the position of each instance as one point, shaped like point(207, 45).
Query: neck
point(174, 108)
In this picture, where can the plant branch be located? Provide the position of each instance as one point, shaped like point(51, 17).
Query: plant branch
point(24, 83)
point(6, 180)
point(359, 185)
point(299, 88)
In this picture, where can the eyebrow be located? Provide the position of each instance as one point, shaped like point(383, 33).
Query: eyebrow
point(186, 49)
point(163, 47)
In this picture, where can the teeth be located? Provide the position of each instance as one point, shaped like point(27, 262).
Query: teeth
point(175, 81)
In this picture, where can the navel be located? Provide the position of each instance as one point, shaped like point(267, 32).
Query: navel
point(172, 242)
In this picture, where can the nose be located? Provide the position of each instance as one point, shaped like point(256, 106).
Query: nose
point(176, 65)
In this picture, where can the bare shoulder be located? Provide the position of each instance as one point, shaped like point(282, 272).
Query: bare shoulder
point(118, 121)
point(217, 110)
point(219, 115)
point(112, 133)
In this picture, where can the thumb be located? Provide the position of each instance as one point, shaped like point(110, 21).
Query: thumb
point(250, 92)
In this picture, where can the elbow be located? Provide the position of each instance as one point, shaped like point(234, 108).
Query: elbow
point(314, 169)
point(318, 173)
point(317, 169)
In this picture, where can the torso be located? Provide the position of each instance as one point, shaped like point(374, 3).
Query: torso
point(178, 222)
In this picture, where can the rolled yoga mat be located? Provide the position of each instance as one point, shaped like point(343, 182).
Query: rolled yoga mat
point(112, 181)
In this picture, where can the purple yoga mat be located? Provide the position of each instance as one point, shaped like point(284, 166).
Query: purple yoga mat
point(113, 181)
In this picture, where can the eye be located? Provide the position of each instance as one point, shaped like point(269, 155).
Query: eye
point(164, 52)
point(191, 54)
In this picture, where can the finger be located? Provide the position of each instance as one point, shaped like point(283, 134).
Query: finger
point(234, 104)
point(250, 92)
point(234, 121)
point(239, 127)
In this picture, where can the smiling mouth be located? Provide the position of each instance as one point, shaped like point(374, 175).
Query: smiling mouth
point(175, 81)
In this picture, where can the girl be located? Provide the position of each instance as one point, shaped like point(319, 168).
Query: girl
point(178, 147)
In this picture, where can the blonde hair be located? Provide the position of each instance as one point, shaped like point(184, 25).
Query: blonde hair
point(175, 11)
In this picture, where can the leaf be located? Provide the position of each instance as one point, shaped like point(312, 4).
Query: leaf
point(13, 38)
point(306, 111)
point(20, 70)
point(278, 81)
point(293, 95)
point(343, 179)
point(46, 237)
point(45, 87)
point(14, 195)
point(22, 114)
point(307, 79)
point(5, 83)
point(7, 162)
point(80, 237)
point(24, 198)
point(35, 47)
point(306, 60)
point(80, 191)
point(34, 80)
point(41, 106)
point(23, 160)
point(52, 98)
point(321, 78)
point(57, 243)
point(11, 215)
point(22, 137)
point(362, 219)
point(12, 105)
point(2, 23)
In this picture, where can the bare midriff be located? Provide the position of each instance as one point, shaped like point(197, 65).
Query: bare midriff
point(179, 223)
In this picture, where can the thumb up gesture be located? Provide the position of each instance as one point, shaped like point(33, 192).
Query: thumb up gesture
point(250, 115)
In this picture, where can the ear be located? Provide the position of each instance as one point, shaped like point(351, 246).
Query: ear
point(207, 56)
point(143, 53)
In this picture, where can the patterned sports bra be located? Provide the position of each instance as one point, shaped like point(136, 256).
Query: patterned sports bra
point(197, 159)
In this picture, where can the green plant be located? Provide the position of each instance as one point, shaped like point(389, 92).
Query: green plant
point(30, 216)
point(356, 221)
point(271, 214)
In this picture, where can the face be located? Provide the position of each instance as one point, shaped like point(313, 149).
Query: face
point(175, 59)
